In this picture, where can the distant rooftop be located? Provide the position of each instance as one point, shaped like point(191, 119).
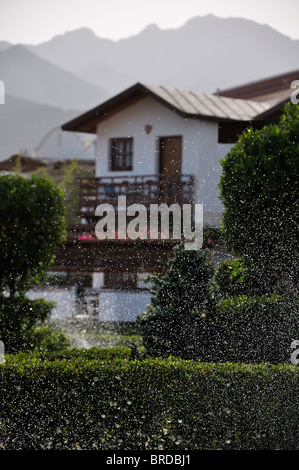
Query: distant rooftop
point(24, 163)
point(274, 89)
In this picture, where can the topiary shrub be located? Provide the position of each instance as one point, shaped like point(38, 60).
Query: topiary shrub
point(169, 325)
point(18, 317)
point(46, 339)
point(233, 278)
point(19, 330)
point(32, 225)
point(259, 188)
point(256, 329)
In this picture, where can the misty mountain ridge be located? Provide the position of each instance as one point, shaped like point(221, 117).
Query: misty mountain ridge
point(4, 45)
point(204, 54)
point(24, 123)
point(30, 77)
point(48, 83)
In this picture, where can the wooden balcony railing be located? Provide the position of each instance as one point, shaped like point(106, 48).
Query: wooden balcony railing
point(146, 190)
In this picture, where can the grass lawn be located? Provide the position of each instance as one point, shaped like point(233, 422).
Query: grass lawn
point(93, 333)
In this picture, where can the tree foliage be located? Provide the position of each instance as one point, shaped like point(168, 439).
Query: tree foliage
point(31, 227)
point(70, 185)
point(259, 189)
point(256, 329)
point(169, 325)
point(233, 278)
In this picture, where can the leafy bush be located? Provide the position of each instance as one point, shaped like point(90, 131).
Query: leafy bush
point(168, 327)
point(22, 329)
point(73, 354)
point(233, 278)
point(31, 227)
point(256, 329)
point(70, 185)
point(259, 188)
point(18, 317)
point(151, 404)
point(45, 338)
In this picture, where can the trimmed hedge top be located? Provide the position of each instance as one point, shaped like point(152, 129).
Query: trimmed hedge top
point(70, 402)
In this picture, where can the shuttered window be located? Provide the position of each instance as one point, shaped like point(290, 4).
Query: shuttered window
point(122, 154)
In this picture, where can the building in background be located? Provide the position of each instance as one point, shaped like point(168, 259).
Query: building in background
point(55, 151)
point(155, 145)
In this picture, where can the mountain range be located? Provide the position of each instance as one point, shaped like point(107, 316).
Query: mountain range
point(23, 124)
point(28, 76)
point(51, 82)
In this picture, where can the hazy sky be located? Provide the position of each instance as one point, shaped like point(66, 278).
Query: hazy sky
point(35, 21)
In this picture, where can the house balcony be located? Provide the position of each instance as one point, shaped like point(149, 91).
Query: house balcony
point(84, 252)
point(145, 190)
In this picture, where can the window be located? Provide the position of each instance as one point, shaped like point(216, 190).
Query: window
point(121, 154)
point(121, 280)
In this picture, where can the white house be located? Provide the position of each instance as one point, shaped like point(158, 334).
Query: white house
point(149, 130)
point(150, 134)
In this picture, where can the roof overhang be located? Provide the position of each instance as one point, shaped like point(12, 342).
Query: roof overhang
point(87, 122)
point(229, 132)
point(274, 113)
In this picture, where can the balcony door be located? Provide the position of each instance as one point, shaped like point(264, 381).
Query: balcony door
point(170, 168)
point(171, 156)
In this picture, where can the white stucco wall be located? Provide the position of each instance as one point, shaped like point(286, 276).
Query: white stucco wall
point(142, 283)
point(122, 306)
point(201, 156)
point(201, 152)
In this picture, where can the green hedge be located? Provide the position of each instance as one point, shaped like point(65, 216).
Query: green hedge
point(256, 329)
point(18, 318)
point(169, 404)
point(75, 354)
